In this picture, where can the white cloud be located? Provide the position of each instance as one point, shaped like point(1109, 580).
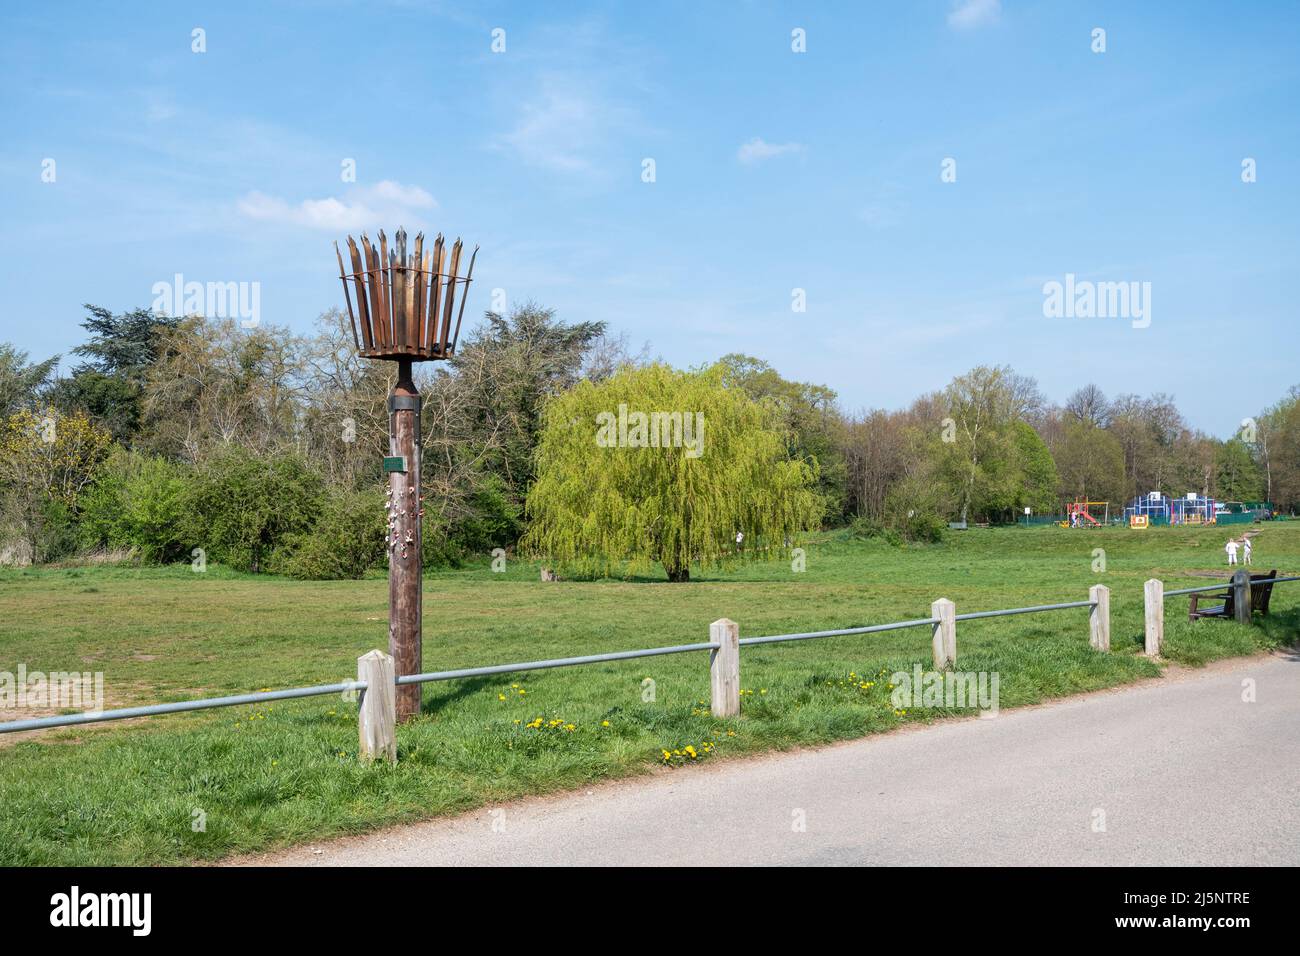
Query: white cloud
point(757, 150)
point(968, 14)
point(569, 125)
point(555, 130)
point(386, 203)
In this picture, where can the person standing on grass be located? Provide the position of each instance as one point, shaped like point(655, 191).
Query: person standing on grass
point(1245, 551)
point(1231, 548)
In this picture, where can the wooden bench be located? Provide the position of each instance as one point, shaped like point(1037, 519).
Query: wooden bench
point(1261, 589)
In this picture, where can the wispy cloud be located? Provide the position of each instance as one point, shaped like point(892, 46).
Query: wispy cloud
point(567, 126)
point(757, 150)
point(968, 14)
point(361, 208)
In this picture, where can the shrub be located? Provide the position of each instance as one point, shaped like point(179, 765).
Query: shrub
point(346, 541)
point(245, 507)
point(138, 503)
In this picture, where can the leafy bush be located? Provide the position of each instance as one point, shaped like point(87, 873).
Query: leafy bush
point(915, 509)
point(493, 519)
point(245, 507)
point(345, 542)
point(868, 528)
point(925, 526)
point(56, 531)
point(138, 503)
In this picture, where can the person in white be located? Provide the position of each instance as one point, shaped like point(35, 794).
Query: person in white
point(1245, 551)
point(1231, 548)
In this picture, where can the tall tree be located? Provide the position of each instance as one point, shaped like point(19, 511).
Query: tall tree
point(20, 382)
point(1089, 406)
point(808, 415)
point(654, 464)
point(976, 439)
point(119, 354)
point(1236, 476)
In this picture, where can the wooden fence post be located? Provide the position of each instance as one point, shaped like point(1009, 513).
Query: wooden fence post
point(1155, 617)
point(1241, 595)
point(377, 715)
point(724, 668)
point(1099, 617)
point(945, 633)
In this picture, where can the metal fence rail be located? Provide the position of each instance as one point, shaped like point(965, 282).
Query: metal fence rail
point(152, 710)
point(554, 662)
point(974, 615)
point(872, 629)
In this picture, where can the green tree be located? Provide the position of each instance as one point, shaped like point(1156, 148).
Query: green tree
point(1236, 476)
point(810, 419)
point(1090, 461)
point(21, 383)
point(655, 464)
point(1038, 477)
point(976, 455)
point(120, 352)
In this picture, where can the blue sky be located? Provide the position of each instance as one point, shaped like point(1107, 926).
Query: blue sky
point(774, 171)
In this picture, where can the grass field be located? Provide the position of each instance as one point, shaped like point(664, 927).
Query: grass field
point(129, 793)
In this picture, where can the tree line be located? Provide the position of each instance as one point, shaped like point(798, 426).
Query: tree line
point(197, 439)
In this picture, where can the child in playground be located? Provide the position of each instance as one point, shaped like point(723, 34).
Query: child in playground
point(1231, 548)
point(1245, 550)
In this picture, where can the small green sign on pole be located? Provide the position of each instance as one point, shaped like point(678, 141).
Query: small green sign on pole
point(395, 464)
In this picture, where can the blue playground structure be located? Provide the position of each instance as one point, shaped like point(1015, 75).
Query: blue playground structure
point(1160, 509)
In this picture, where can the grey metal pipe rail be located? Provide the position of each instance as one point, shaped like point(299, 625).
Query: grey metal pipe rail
point(67, 720)
point(1023, 610)
point(554, 662)
point(1208, 587)
point(778, 638)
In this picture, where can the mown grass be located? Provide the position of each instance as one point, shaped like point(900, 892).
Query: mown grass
point(281, 774)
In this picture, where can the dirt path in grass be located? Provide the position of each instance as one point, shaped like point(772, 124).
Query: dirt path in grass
point(1176, 770)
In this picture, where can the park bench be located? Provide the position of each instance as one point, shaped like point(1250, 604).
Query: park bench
point(1261, 588)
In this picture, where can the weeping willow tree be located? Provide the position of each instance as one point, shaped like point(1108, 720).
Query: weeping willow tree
point(658, 465)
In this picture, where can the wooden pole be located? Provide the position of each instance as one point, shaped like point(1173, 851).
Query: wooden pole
point(376, 722)
point(1241, 595)
point(724, 668)
point(1155, 616)
point(945, 633)
point(404, 510)
point(1099, 618)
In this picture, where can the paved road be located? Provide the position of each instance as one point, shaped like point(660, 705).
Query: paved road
point(1183, 770)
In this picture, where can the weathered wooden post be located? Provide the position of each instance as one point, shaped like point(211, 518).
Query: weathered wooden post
point(1241, 595)
point(377, 717)
point(724, 668)
point(944, 637)
point(1155, 616)
point(1099, 617)
point(403, 313)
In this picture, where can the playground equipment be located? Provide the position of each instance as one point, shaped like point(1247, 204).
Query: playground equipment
point(1160, 509)
point(403, 314)
point(1153, 508)
point(1086, 514)
point(1192, 509)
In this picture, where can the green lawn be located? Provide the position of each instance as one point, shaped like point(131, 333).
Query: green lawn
point(271, 776)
